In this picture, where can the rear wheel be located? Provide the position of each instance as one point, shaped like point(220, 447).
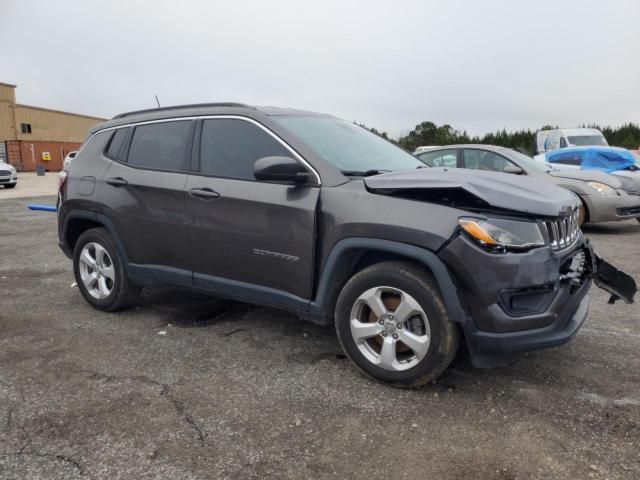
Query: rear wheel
point(392, 324)
point(100, 272)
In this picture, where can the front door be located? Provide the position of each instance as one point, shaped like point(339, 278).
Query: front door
point(258, 234)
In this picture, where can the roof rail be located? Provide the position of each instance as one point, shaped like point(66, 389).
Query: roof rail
point(177, 107)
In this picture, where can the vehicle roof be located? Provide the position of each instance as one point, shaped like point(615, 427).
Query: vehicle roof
point(200, 109)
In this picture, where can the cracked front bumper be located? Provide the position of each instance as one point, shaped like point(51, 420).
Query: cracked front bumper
point(517, 302)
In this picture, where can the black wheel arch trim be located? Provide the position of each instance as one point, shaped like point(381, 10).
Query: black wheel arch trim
point(98, 218)
point(340, 251)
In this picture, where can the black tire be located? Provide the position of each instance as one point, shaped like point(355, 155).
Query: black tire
point(123, 293)
point(11, 186)
point(419, 284)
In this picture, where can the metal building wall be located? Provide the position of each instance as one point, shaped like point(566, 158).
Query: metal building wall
point(53, 126)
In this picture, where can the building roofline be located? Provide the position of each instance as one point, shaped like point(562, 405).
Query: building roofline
point(60, 111)
point(8, 85)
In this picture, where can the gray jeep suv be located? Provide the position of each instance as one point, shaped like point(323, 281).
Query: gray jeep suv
point(312, 214)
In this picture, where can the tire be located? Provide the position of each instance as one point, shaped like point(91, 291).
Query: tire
point(13, 185)
point(410, 293)
point(104, 282)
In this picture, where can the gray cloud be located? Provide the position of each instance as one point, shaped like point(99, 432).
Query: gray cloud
point(476, 65)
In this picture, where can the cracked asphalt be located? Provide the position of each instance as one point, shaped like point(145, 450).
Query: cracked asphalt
point(184, 386)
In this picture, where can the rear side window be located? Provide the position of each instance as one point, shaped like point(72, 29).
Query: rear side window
point(161, 146)
point(115, 143)
point(441, 158)
point(230, 148)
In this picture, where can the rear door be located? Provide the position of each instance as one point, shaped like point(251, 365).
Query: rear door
point(242, 230)
point(144, 194)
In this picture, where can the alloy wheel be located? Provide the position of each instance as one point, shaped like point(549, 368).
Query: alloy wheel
point(390, 328)
point(97, 271)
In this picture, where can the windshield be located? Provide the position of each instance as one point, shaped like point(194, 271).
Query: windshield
point(586, 140)
point(347, 146)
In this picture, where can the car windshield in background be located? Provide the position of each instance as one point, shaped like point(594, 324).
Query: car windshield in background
point(586, 140)
point(347, 146)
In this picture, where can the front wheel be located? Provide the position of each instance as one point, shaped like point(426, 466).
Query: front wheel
point(100, 272)
point(391, 322)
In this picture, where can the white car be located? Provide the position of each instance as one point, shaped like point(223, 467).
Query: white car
point(8, 175)
point(67, 160)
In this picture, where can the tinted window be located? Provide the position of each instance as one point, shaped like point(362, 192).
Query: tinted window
point(230, 148)
point(484, 160)
point(563, 142)
point(115, 144)
point(160, 146)
point(567, 159)
point(441, 158)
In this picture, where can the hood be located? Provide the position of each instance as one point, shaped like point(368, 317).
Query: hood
point(477, 191)
point(588, 176)
point(7, 166)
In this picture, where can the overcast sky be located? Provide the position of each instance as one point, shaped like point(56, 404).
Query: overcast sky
point(477, 65)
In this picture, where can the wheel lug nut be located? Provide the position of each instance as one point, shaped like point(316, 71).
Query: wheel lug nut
point(384, 334)
point(381, 322)
point(390, 317)
point(395, 336)
point(398, 325)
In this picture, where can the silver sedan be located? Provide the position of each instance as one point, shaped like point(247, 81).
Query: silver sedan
point(604, 197)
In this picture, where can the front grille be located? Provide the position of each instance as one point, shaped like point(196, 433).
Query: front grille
point(4, 173)
point(562, 232)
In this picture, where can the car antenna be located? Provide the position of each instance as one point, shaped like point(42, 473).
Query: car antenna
point(157, 101)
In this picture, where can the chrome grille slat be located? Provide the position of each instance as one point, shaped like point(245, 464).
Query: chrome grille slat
point(562, 232)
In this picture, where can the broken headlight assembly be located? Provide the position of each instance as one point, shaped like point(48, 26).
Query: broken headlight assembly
point(500, 235)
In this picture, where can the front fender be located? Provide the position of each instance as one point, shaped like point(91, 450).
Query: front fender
point(341, 251)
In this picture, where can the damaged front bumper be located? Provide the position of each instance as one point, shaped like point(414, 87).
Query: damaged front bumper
point(529, 301)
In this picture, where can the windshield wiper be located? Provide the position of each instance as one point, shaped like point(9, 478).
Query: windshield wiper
point(362, 173)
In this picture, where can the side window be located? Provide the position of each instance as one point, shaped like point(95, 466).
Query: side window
point(230, 148)
point(114, 146)
point(161, 146)
point(484, 160)
point(441, 158)
point(567, 159)
point(563, 142)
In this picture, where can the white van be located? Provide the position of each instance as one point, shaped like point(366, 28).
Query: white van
point(547, 140)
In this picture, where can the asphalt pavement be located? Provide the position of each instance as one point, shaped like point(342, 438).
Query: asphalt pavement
point(185, 386)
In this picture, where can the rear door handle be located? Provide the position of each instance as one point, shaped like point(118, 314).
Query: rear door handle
point(117, 182)
point(204, 193)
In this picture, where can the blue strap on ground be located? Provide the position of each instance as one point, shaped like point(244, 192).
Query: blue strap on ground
point(42, 208)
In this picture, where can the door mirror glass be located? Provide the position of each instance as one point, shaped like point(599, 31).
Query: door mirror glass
point(280, 169)
point(511, 168)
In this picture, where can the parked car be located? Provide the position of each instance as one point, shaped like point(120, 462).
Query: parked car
point(67, 160)
point(619, 162)
point(290, 209)
point(604, 197)
point(548, 140)
point(8, 175)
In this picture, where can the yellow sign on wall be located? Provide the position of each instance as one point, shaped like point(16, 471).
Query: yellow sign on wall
point(46, 156)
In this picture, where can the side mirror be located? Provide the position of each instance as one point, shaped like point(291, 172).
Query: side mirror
point(514, 169)
point(280, 169)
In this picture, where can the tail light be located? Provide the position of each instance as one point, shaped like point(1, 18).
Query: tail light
point(62, 179)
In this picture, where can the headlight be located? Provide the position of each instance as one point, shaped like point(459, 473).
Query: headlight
point(602, 188)
point(499, 234)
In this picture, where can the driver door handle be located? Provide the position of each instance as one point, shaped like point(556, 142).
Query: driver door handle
point(204, 193)
point(117, 182)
